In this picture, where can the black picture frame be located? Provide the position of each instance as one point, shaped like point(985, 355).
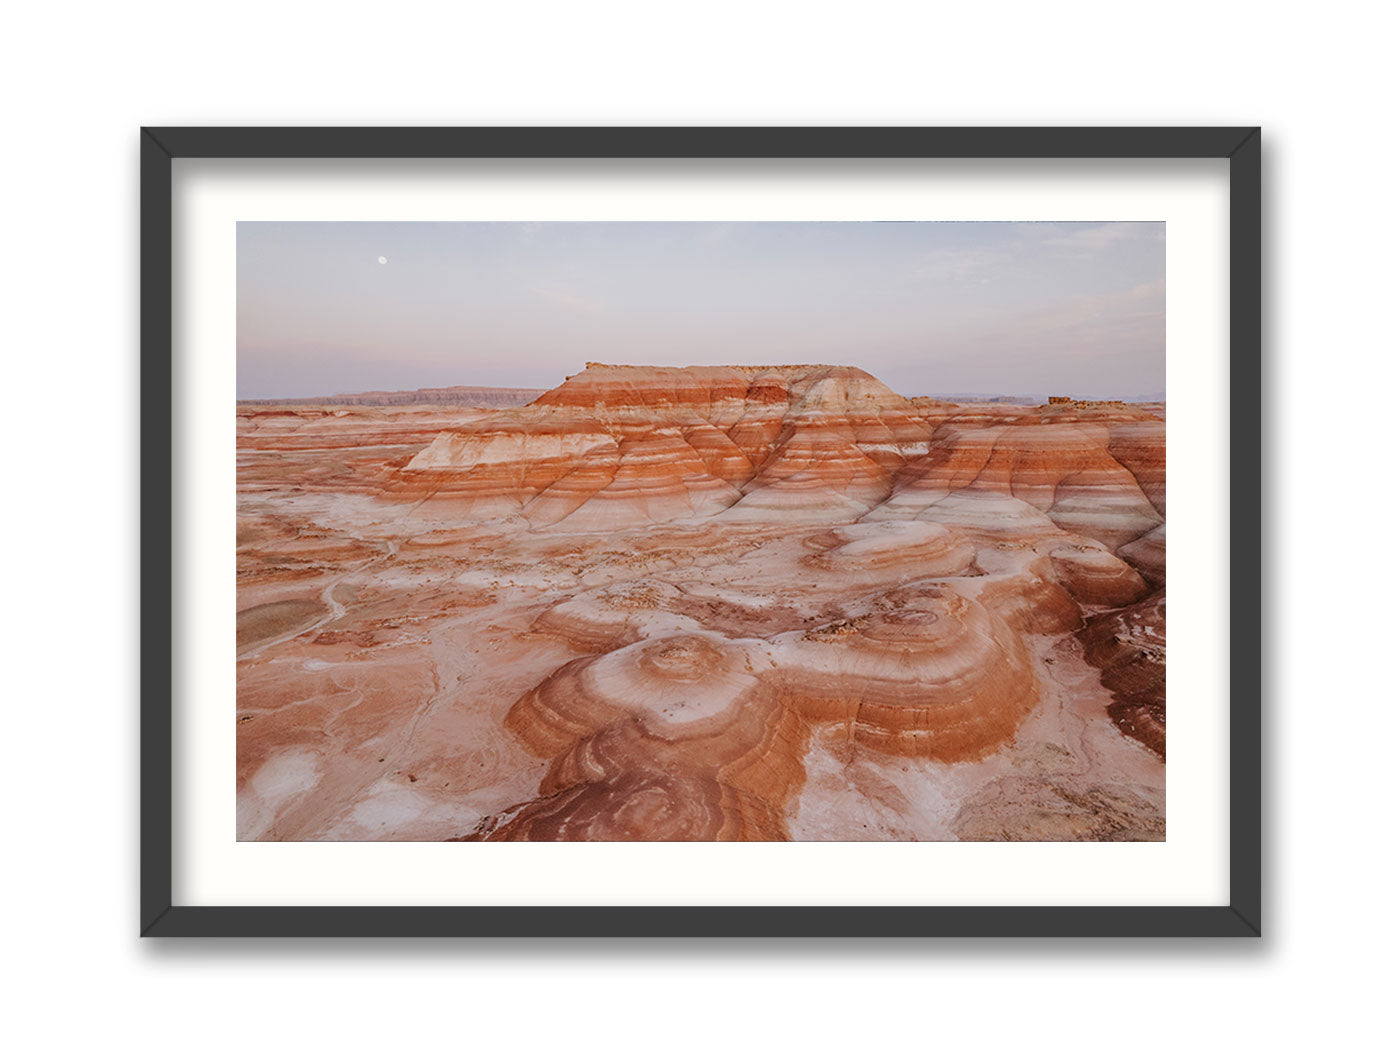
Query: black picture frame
point(160, 146)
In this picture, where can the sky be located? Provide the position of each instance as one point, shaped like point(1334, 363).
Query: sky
point(930, 308)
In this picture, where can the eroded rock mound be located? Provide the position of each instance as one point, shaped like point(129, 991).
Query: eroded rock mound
point(1129, 647)
point(939, 677)
point(626, 445)
point(1024, 479)
point(894, 550)
point(675, 737)
point(737, 603)
point(632, 446)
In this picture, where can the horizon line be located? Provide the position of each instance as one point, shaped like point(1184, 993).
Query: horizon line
point(949, 395)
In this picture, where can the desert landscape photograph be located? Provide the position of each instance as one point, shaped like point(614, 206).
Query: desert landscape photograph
point(694, 531)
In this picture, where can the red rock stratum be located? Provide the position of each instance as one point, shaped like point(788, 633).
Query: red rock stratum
point(724, 603)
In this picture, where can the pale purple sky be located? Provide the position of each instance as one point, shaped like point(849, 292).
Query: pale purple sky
point(930, 308)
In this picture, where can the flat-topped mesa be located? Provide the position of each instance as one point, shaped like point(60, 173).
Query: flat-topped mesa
point(650, 444)
point(740, 368)
point(721, 395)
point(1082, 404)
point(1063, 408)
point(623, 446)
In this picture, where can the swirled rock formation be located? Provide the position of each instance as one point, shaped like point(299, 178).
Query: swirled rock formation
point(938, 677)
point(668, 739)
point(723, 603)
point(893, 549)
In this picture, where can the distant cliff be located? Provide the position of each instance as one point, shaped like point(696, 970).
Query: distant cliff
point(457, 395)
point(1083, 404)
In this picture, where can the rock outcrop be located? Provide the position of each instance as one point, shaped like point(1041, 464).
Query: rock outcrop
point(723, 603)
point(616, 445)
point(1129, 647)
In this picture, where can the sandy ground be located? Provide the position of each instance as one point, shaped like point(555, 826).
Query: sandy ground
point(382, 645)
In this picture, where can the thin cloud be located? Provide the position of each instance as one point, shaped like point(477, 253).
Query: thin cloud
point(956, 266)
point(568, 299)
point(1097, 309)
point(1092, 240)
point(1128, 324)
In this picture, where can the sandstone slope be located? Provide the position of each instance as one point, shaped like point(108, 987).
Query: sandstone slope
point(742, 603)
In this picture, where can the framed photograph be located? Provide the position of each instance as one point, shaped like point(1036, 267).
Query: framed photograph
point(762, 529)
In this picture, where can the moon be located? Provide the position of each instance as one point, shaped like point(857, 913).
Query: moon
point(383, 260)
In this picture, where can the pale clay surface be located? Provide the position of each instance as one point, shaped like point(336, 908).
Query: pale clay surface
point(708, 603)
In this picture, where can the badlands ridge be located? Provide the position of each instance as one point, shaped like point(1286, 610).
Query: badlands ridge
point(733, 603)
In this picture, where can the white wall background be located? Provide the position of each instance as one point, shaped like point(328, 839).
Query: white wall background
point(79, 79)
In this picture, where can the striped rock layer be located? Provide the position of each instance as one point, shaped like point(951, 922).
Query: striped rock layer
point(623, 446)
point(674, 591)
